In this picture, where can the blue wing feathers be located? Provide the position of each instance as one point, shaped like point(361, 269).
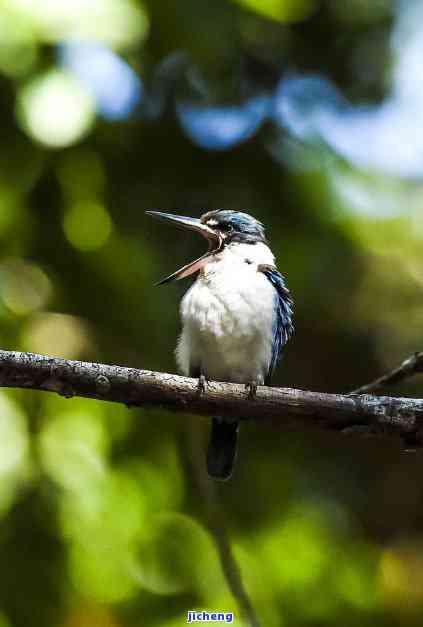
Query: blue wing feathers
point(282, 324)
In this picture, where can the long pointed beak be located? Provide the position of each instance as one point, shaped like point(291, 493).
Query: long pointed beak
point(191, 224)
point(186, 223)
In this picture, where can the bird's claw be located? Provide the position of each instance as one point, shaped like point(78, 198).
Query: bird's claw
point(251, 386)
point(201, 388)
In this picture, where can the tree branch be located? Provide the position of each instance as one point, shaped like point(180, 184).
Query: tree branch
point(391, 416)
point(409, 367)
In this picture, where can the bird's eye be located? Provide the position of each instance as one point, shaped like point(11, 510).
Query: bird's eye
point(226, 227)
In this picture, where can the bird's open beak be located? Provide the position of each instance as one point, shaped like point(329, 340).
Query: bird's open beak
point(191, 224)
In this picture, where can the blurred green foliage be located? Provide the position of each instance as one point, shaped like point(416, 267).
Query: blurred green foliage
point(102, 523)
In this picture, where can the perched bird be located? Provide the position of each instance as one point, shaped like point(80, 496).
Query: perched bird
point(236, 316)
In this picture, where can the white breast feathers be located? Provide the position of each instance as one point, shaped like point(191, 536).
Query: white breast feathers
point(228, 316)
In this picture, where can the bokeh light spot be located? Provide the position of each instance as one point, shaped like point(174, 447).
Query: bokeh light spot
point(24, 287)
point(356, 580)
point(222, 127)
point(401, 575)
point(118, 22)
point(18, 51)
point(302, 540)
point(113, 582)
point(55, 109)
point(14, 459)
point(87, 225)
point(168, 561)
point(72, 448)
point(13, 435)
point(58, 335)
point(281, 10)
point(103, 526)
point(114, 85)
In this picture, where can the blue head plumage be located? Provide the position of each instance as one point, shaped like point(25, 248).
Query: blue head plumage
point(235, 226)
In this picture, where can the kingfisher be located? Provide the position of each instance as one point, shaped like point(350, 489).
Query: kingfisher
point(236, 316)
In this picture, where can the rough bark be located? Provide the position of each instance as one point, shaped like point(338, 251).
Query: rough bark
point(364, 413)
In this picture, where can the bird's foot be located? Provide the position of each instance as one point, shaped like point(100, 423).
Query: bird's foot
point(201, 387)
point(251, 386)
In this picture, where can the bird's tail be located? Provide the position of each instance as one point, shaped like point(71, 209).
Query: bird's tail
point(221, 453)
